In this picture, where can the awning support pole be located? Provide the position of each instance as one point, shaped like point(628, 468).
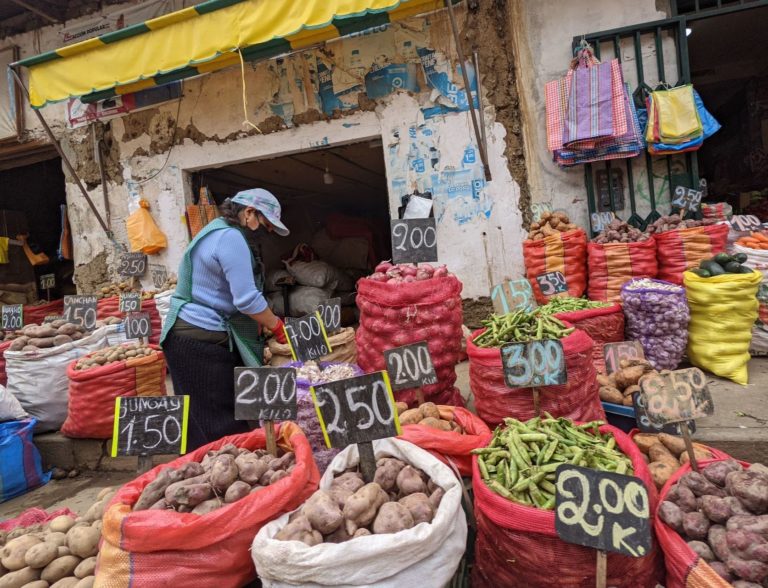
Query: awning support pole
point(64, 158)
point(463, 64)
point(99, 153)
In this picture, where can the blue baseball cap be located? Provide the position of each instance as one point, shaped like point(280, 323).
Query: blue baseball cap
point(266, 204)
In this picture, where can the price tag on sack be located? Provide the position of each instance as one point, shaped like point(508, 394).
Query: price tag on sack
point(534, 364)
point(646, 425)
point(265, 394)
point(159, 275)
point(552, 283)
point(47, 281)
point(330, 314)
point(81, 309)
point(410, 366)
point(414, 240)
point(307, 337)
point(602, 510)
point(745, 222)
point(12, 317)
point(132, 265)
point(513, 295)
point(138, 325)
point(130, 302)
point(150, 425)
point(614, 353)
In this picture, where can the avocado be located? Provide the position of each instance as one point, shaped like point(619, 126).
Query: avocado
point(740, 257)
point(746, 270)
point(722, 258)
point(714, 268)
point(702, 273)
point(733, 267)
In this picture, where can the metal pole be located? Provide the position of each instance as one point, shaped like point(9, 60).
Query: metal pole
point(64, 158)
point(481, 111)
point(97, 145)
point(468, 90)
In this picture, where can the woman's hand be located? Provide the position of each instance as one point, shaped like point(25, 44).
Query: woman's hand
point(271, 321)
point(279, 332)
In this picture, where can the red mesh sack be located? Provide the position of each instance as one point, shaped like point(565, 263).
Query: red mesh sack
point(107, 307)
point(681, 249)
point(92, 392)
point(167, 548)
point(612, 264)
point(3, 348)
point(392, 315)
point(36, 313)
point(685, 569)
point(517, 545)
point(565, 253)
point(34, 516)
point(494, 400)
point(603, 325)
point(449, 445)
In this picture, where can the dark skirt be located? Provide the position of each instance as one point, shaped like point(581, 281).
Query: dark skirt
point(205, 373)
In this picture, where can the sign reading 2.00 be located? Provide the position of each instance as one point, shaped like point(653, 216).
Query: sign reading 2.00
point(265, 394)
point(414, 240)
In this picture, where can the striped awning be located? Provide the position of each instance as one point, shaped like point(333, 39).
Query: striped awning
point(201, 39)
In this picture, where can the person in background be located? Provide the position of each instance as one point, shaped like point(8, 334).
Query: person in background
point(218, 312)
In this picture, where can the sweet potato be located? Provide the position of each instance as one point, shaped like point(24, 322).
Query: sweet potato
point(392, 517)
point(751, 488)
point(695, 525)
point(419, 506)
point(702, 550)
point(155, 490)
point(322, 512)
point(237, 491)
point(716, 509)
point(661, 472)
point(658, 452)
point(629, 376)
point(207, 506)
point(362, 506)
point(604, 380)
point(223, 472)
point(430, 410)
point(644, 441)
point(699, 451)
point(676, 445)
point(401, 407)
point(409, 481)
point(19, 344)
point(610, 394)
point(670, 513)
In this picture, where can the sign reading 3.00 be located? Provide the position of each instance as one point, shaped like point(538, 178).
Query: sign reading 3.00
point(414, 240)
point(265, 394)
point(356, 410)
point(146, 425)
point(534, 364)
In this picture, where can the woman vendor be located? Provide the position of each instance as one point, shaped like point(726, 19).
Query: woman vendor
point(217, 314)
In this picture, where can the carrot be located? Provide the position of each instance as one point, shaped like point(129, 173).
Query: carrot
point(760, 237)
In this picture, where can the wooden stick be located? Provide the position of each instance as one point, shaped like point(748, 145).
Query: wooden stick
point(689, 445)
point(271, 441)
point(536, 403)
point(602, 569)
point(367, 461)
point(145, 464)
point(420, 396)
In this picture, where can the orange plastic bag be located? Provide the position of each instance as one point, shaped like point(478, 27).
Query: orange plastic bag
point(166, 548)
point(143, 233)
point(449, 445)
point(565, 253)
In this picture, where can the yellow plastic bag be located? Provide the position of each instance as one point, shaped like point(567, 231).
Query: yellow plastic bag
point(723, 311)
point(143, 233)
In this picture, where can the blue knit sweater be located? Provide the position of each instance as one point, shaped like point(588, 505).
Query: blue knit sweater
point(222, 281)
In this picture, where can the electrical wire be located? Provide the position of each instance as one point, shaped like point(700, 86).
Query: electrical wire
point(173, 143)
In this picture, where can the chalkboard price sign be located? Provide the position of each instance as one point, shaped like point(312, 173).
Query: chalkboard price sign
point(602, 510)
point(534, 364)
point(552, 283)
point(307, 337)
point(265, 394)
point(150, 425)
point(53, 317)
point(600, 220)
point(47, 281)
point(414, 240)
point(681, 395)
point(132, 264)
point(356, 410)
point(646, 425)
point(745, 222)
point(137, 325)
point(330, 314)
point(81, 310)
point(130, 302)
point(159, 275)
point(614, 353)
point(687, 199)
point(12, 317)
point(513, 295)
point(410, 366)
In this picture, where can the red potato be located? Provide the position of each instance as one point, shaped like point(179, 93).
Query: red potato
point(751, 488)
point(700, 486)
point(671, 514)
point(237, 491)
point(207, 506)
point(702, 550)
point(716, 509)
point(190, 495)
point(155, 490)
point(717, 471)
point(753, 523)
point(752, 571)
point(695, 525)
point(223, 472)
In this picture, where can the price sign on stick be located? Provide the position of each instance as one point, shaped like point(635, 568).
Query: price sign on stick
point(307, 337)
point(12, 317)
point(357, 410)
point(132, 265)
point(687, 199)
point(614, 353)
point(159, 275)
point(81, 310)
point(534, 364)
point(552, 283)
point(265, 394)
point(745, 222)
point(147, 426)
point(513, 295)
point(138, 325)
point(414, 240)
point(130, 302)
point(600, 220)
point(330, 314)
point(646, 425)
point(47, 281)
point(602, 510)
point(53, 317)
point(410, 366)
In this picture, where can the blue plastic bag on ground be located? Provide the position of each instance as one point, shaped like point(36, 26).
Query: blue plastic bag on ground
point(21, 467)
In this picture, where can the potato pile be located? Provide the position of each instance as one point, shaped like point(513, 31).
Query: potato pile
point(33, 337)
point(224, 476)
point(113, 354)
point(400, 497)
point(666, 453)
point(722, 513)
point(619, 386)
point(121, 288)
point(428, 414)
point(620, 232)
point(60, 554)
point(550, 223)
point(674, 221)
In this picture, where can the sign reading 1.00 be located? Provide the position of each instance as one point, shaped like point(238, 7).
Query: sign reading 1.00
point(414, 240)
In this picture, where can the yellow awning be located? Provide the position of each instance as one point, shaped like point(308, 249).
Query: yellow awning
point(201, 39)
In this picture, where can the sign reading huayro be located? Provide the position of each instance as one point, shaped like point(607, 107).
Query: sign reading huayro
point(681, 395)
point(410, 366)
point(130, 302)
point(356, 410)
point(147, 425)
point(534, 364)
point(265, 394)
point(307, 337)
point(513, 295)
point(414, 240)
point(81, 310)
point(12, 317)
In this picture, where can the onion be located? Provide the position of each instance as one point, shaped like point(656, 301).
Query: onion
point(422, 275)
point(378, 277)
point(441, 272)
point(408, 270)
point(427, 268)
point(394, 273)
point(409, 279)
point(384, 267)
point(397, 280)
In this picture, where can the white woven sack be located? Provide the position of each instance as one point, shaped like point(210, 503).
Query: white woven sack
point(10, 409)
point(756, 259)
point(38, 379)
point(425, 555)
